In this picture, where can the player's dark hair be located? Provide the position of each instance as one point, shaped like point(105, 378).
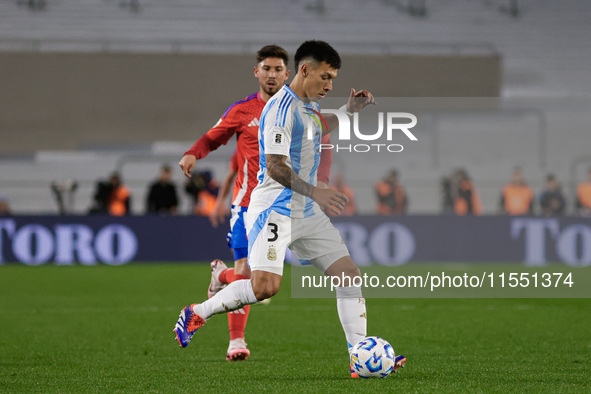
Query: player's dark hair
point(272, 51)
point(319, 51)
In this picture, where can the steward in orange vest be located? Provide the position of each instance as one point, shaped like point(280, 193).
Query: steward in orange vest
point(583, 202)
point(517, 198)
point(391, 196)
point(467, 201)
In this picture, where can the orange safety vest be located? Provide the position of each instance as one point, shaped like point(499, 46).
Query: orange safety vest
point(518, 199)
point(205, 203)
point(461, 205)
point(584, 194)
point(117, 201)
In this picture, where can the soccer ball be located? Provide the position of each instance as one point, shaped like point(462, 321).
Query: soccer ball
point(373, 357)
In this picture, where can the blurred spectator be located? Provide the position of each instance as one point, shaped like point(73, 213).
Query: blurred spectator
point(466, 198)
point(162, 196)
point(4, 207)
point(552, 201)
point(204, 190)
point(119, 199)
point(517, 198)
point(583, 202)
point(100, 197)
point(340, 186)
point(391, 196)
point(447, 199)
point(112, 197)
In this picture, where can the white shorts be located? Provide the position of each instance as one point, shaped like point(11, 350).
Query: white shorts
point(313, 238)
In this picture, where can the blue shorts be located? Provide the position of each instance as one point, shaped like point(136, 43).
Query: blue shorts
point(237, 236)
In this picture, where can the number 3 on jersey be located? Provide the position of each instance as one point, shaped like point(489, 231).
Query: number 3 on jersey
point(273, 228)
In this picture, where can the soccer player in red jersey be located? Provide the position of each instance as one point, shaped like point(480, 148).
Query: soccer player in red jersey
point(242, 120)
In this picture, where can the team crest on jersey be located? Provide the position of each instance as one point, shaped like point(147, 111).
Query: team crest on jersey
point(272, 253)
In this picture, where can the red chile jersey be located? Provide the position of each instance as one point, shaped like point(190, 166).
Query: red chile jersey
point(242, 119)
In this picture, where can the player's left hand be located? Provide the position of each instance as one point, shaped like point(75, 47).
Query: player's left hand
point(330, 200)
point(322, 185)
point(359, 100)
point(217, 215)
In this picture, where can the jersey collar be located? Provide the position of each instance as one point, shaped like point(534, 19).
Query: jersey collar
point(289, 91)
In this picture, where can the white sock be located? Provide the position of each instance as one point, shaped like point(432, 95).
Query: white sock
point(234, 296)
point(352, 313)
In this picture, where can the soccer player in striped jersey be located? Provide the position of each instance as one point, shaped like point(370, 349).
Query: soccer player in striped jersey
point(285, 205)
point(242, 120)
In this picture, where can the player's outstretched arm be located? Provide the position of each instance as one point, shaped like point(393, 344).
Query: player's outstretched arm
point(187, 164)
point(359, 100)
point(327, 198)
point(356, 102)
point(218, 214)
point(218, 135)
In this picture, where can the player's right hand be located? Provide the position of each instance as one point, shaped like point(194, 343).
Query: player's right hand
point(331, 200)
point(187, 164)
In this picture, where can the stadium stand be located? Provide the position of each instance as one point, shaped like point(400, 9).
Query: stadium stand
point(226, 26)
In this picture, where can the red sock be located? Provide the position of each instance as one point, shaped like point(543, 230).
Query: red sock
point(237, 322)
point(228, 276)
point(223, 275)
point(237, 319)
point(231, 276)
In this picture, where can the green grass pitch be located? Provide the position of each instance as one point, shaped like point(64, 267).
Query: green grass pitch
point(109, 329)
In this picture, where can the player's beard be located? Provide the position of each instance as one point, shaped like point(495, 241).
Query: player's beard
point(271, 90)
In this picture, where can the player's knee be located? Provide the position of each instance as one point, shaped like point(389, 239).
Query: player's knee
point(344, 268)
point(265, 286)
point(262, 292)
point(265, 293)
point(352, 271)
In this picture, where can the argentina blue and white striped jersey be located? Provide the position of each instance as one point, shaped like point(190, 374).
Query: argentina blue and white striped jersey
point(291, 128)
